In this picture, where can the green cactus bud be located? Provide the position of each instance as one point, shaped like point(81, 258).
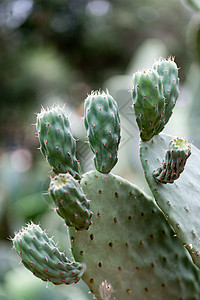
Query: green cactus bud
point(102, 123)
point(148, 101)
point(40, 255)
point(56, 141)
point(71, 203)
point(174, 162)
point(168, 71)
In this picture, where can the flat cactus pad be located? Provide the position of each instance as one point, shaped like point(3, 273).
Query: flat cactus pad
point(179, 201)
point(130, 250)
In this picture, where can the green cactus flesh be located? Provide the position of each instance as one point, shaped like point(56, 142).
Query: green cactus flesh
point(179, 201)
point(174, 161)
point(40, 255)
point(56, 141)
point(148, 102)
point(103, 128)
point(168, 71)
point(130, 250)
point(71, 203)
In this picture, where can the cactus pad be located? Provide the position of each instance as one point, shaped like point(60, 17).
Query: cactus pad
point(56, 141)
point(71, 203)
point(40, 255)
point(174, 162)
point(179, 201)
point(148, 102)
point(130, 250)
point(103, 128)
point(168, 71)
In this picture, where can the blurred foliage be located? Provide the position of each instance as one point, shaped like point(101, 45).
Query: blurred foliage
point(195, 4)
point(57, 52)
point(56, 47)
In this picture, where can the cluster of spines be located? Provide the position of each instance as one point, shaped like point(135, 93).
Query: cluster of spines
point(40, 255)
point(57, 143)
point(102, 123)
point(155, 92)
point(71, 202)
point(174, 162)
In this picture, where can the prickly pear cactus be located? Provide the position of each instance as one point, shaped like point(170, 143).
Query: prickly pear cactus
point(40, 255)
point(103, 128)
point(71, 203)
point(179, 201)
point(174, 162)
point(168, 71)
point(57, 143)
point(130, 250)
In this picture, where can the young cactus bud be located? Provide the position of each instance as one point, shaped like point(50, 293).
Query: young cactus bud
point(56, 141)
point(174, 162)
point(148, 101)
point(71, 203)
point(102, 123)
point(40, 255)
point(168, 71)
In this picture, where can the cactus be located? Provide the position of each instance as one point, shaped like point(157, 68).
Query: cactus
point(174, 162)
point(103, 128)
point(168, 71)
point(149, 102)
point(155, 92)
point(136, 247)
point(131, 245)
point(40, 255)
point(180, 200)
point(71, 203)
point(56, 141)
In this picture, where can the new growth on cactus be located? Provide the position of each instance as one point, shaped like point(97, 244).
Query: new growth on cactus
point(71, 203)
point(155, 92)
point(57, 143)
point(103, 128)
point(125, 238)
point(174, 162)
point(40, 255)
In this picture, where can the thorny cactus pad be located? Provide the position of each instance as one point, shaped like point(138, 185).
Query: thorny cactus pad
point(71, 203)
point(40, 255)
point(148, 102)
point(131, 245)
point(174, 162)
point(179, 201)
point(57, 143)
point(154, 96)
point(168, 71)
point(103, 128)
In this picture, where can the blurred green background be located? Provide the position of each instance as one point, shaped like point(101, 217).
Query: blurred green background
point(57, 52)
